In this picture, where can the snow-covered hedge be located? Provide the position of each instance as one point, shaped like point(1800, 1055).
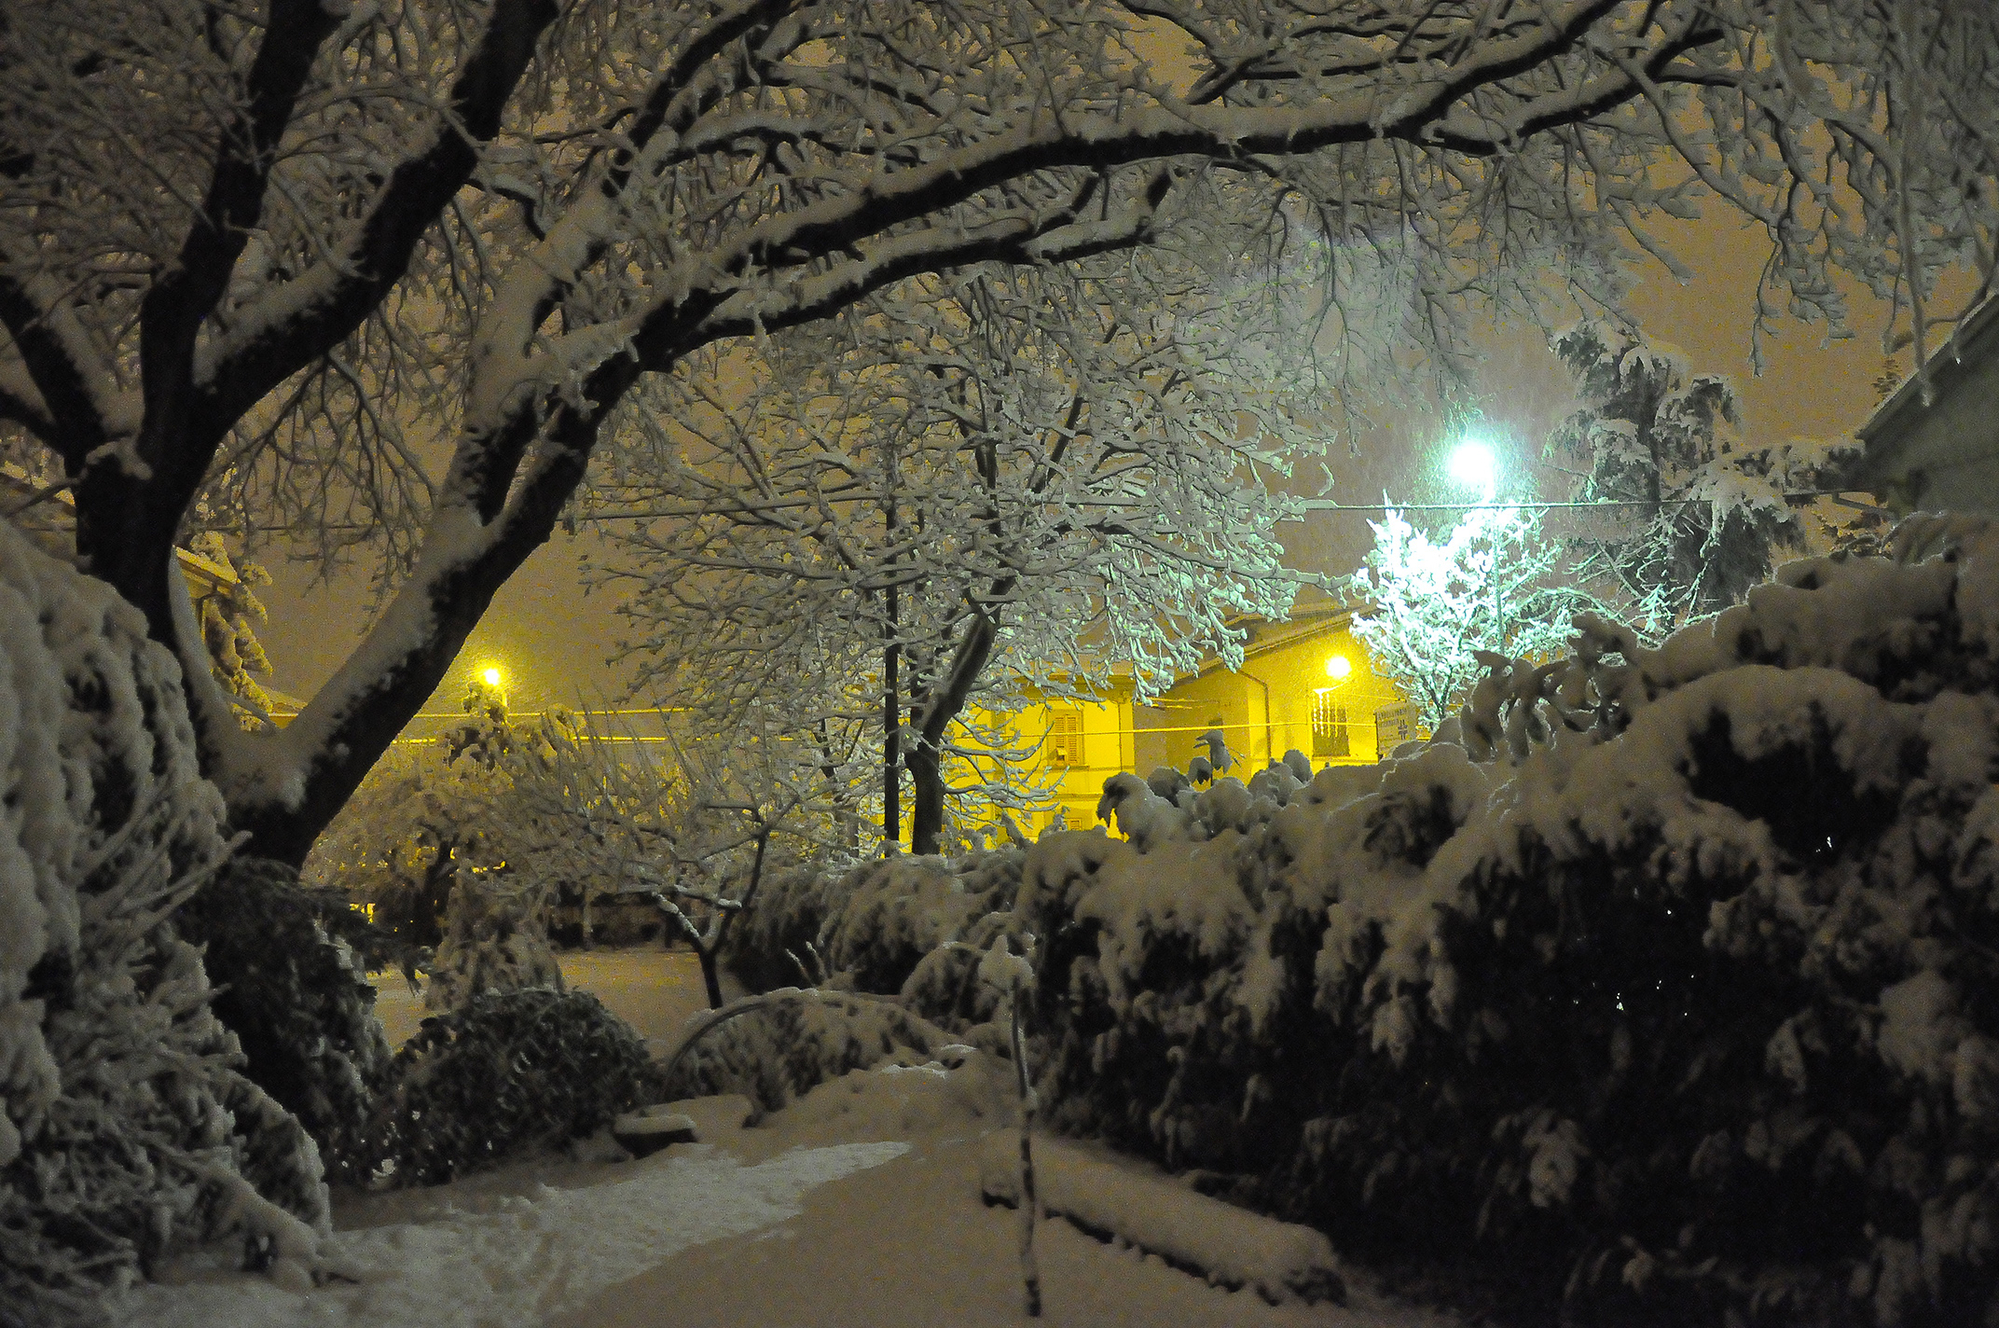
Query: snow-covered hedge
point(125, 1130)
point(778, 1046)
point(299, 1002)
point(868, 926)
point(1681, 1009)
point(503, 1074)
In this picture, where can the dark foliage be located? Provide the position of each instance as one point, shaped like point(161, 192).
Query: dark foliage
point(505, 1075)
point(299, 1002)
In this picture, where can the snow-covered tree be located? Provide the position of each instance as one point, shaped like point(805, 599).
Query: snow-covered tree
point(280, 256)
point(1701, 514)
point(991, 491)
point(126, 1130)
point(427, 844)
point(696, 822)
point(229, 615)
point(1491, 584)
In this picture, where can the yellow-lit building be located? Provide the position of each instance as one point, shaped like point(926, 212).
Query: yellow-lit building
point(1305, 683)
point(1076, 747)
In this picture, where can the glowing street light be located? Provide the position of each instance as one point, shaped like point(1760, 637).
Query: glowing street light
point(1338, 667)
point(1473, 465)
point(492, 676)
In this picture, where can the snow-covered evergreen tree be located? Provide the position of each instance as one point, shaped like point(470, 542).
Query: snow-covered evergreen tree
point(1702, 514)
point(1492, 583)
point(229, 615)
point(126, 1129)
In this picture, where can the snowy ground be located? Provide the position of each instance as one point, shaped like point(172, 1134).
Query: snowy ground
point(653, 990)
point(859, 1205)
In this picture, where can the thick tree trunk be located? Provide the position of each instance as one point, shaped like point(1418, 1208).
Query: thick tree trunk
point(943, 701)
point(926, 813)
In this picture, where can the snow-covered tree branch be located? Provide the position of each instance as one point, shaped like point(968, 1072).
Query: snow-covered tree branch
point(1695, 514)
point(992, 488)
point(387, 273)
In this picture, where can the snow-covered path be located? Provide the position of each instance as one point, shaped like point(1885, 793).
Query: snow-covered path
point(859, 1205)
point(910, 1244)
point(528, 1258)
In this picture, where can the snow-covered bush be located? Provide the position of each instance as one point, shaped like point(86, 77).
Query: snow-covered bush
point(298, 1001)
point(870, 925)
point(504, 1074)
point(945, 986)
point(791, 908)
point(1680, 1013)
point(125, 1130)
point(899, 909)
point(779, 1046)
point(495, 939)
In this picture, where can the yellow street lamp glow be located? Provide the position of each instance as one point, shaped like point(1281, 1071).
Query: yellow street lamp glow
point(492, 677)
point(1338, 667)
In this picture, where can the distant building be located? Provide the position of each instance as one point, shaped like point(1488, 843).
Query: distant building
point(1305, 683)
point(1943, 454)
point(1076, 747)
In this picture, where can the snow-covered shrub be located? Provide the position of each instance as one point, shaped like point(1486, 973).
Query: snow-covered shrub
point(1681, 1012)
point(899, 909)
point(871, 924)
point(781, 1045)
point(125, 1130)
point(504, 1074)
point(495, 939)
point(298, 1001)
point(945, 987)
point(790, 909)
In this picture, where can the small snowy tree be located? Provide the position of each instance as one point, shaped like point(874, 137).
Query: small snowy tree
point(229, 615)
point(1701, 515)
point(429, 846)
point(1490, 584)
point(985, 487)
point(696, 825)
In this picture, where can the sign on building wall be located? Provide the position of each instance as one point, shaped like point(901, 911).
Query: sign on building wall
point(1395, 725)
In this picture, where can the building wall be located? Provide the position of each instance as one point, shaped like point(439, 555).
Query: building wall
point(1105, 748)
point(1942, 455)
point(1265, 708)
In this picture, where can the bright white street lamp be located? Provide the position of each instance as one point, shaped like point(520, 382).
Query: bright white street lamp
point(492, 677)
point(1473, 465)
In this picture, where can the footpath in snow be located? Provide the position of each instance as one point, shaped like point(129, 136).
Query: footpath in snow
point(859, 1205)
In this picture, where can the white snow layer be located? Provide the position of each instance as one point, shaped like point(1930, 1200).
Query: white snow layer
point(1231, 1246)
point(538, 1255)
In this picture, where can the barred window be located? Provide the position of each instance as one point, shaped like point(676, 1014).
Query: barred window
point(1329, 727)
